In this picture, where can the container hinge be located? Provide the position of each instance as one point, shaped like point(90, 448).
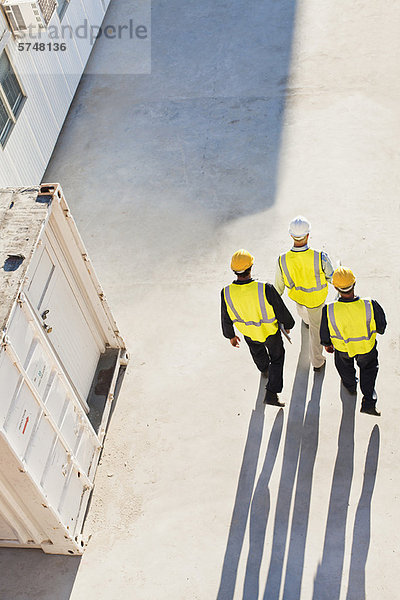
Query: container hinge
point(82, 540)
point(124, 358)
point(21, 299)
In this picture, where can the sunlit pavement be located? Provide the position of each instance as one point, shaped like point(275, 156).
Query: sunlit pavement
point(253, 113)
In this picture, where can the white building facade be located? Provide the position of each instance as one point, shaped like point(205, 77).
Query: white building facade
point(44, 48)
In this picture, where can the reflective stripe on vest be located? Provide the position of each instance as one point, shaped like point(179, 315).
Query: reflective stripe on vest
point(355, 344)
point(256, 330)
point(313, 295)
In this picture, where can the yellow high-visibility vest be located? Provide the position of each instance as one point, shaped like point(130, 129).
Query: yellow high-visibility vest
point(303, 275)
point(250, 311)
point(352, 326)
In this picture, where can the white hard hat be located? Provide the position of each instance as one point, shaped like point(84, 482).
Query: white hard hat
point(299, 227)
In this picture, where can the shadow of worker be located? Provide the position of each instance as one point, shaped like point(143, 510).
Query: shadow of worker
point(327, 583)
point(259, 512)
point(293, 437)
point(362, 523)
point(302, 500)
point(243, 497)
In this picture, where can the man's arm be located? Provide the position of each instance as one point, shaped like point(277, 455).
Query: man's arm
point(324, 333)
point(279, 281)
point(380, 318)
point(327, 266)
point(226, 322)
point(281, 312)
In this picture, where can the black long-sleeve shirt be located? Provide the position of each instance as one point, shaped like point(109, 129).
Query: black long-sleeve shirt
point(281, 312)
point(379, 316)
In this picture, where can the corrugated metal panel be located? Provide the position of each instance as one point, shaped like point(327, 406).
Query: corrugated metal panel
point(94, 11)
point(50, 80)
point(70, 62)
point(77, 16)
point(22, 138)
point(42, 78)
point(8, 168)
point(35, 133)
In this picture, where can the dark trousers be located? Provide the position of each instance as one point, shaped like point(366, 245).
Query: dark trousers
point(368, 364)
point(271, 354)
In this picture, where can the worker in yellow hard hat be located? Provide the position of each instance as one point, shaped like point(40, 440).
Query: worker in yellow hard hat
point(348, 328)
point(305, 272)
point(256, 310)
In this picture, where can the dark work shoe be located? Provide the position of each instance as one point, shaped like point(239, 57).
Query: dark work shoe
point(368, 407)
point(272, 398)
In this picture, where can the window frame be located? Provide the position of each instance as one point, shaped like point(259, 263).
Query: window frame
point(12, 118)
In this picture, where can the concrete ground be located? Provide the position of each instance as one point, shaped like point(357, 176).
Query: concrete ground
point(253, 112)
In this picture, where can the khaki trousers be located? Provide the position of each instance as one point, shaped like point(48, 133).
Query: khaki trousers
point(312, 316)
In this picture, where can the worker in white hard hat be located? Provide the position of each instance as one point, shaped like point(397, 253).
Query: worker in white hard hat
point(305, 272)
point(348, 328)
point(256, 310)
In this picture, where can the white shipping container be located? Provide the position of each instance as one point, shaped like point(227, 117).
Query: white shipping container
point(60, 358)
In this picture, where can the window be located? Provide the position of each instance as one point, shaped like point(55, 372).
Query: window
point(62, 8)
point(11, 97)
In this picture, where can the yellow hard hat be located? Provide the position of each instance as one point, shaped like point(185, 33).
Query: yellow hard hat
point(241, 261)
point(343, 279)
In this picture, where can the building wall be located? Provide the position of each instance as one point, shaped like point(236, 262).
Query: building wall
point(49, 80)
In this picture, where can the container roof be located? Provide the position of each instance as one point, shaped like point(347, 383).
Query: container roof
point(23, 213)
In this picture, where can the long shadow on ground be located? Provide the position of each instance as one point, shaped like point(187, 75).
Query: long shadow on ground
point(301, 511)
point(259, 513)
point(243, 499)
point(255, 500)
point(362, 524)
point(293, 438)
point(327, 584)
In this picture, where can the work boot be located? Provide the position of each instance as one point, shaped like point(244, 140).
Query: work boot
point(272, 398)
point(368, 407)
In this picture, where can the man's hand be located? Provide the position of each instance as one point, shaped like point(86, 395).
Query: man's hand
point(330, 349)
point(287, 331)
point(235, 341)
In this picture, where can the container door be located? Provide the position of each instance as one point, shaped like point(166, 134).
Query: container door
point(43, 420)
point(71, 331)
